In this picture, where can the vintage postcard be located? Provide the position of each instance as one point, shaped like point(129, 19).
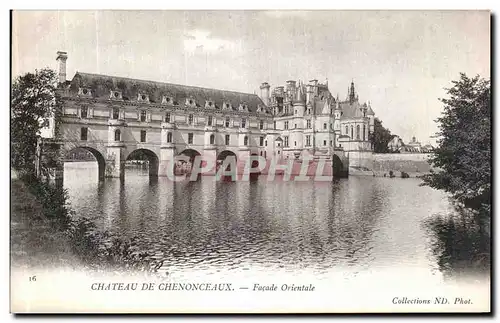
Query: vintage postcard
point(251, 161)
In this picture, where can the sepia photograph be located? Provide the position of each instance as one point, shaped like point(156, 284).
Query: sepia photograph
point(250, 161)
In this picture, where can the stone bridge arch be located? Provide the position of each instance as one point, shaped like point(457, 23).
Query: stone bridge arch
point(99, 153)
point(340, 164)
point(151, 156)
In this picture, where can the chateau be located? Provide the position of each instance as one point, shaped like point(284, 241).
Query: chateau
point(114, 117)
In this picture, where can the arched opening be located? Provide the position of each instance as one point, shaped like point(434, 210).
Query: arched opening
point(212, 139)
point(338, 167)
point(185, 167)
point(83, 162)
point(142, 160)
point(222, 156)
point(255, 164)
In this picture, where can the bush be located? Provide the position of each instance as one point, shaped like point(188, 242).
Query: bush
point(405, 175)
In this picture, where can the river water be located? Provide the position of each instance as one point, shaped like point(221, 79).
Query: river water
point(348, 227)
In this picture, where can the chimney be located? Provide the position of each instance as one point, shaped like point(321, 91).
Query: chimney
point(61, 58)
point(264, 93)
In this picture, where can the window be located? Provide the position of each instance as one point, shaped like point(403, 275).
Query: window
point(117, 135)
point(245, 140)
point(243, 123)
point(212, 139)
point(286, 125)
point(286, 141)
point(352, 132)
point(116, 113)
point(357, 132)
point(190, 138)
point(227, 140)
point(331, 142)
point(261, 143)
point(167, 117)
point(324, 142)
point(346, 130)
point(279, 144)
point(169, 137)
point(46, 123)
point(296, 111)
point(84, 112)
point(143, 135)
point(295, 126)
point(295, 144)
point(308, 124)
point(325, 125)
point(83, 133)
point(308, 140)
point(209, 121)
point(261, 124)
point(364, 132)
point(190, 119)
point(274, 125)
point(227, 122)
point(143, 116)
point(265, 143)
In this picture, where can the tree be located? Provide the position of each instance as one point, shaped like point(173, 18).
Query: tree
point(463, 155)
point(33, 99)
point(380, 137)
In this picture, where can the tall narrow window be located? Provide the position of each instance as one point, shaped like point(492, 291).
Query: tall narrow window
point(324, 142)
point(143, 135)
point(167, 117)
point(227, 122)
point(346, 130)
point(261, 141)
point(286, 125)
point(324, 126)
point(308, 140)
point(190, 119)
point(212, 139)
point(245, 141)
point(116, 113)
point(190, 138)
point(227, 138)
point(357, 132)
point(308, 124)
point(274, 125)
point(117, 135)
point(84, 112)
point(143, 116)
point(261, 124)
point(209, 121)
point(295, 126)
point(169, 137)
point(83, 133)
point(352, 132)
point(243, 123)
point(286, 141)
point(364, 132)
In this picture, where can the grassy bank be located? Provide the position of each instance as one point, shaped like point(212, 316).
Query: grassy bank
point(35, 240)
point(43, 234)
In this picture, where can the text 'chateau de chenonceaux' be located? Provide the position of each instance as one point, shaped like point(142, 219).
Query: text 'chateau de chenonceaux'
point(115, 118)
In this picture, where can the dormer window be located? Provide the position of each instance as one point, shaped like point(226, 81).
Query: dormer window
point(190, 102)
point(167, 100)
point(226, 106)
point(243, 107)
point(209, 104)
point(115, 95)
point(86, 92)
point(142, 97)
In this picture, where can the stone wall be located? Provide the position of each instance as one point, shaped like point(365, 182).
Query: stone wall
point(413, 164)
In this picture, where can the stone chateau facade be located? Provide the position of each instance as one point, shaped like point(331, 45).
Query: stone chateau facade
point(115, 117)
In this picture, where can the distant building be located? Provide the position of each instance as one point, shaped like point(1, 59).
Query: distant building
point(395, 144)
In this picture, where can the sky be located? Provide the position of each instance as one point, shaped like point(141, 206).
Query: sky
point(400, 61)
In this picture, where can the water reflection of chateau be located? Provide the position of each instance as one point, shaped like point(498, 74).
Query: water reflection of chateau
point(116, 118)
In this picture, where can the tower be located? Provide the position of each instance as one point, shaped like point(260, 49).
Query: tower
point(61, 59)
point(264, 93)
point(352, 93)
point(337, 113)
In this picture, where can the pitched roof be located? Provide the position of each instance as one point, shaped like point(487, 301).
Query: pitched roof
point(102, 84)
point(351, 110)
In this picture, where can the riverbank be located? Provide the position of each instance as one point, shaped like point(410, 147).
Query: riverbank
point(34, 240)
